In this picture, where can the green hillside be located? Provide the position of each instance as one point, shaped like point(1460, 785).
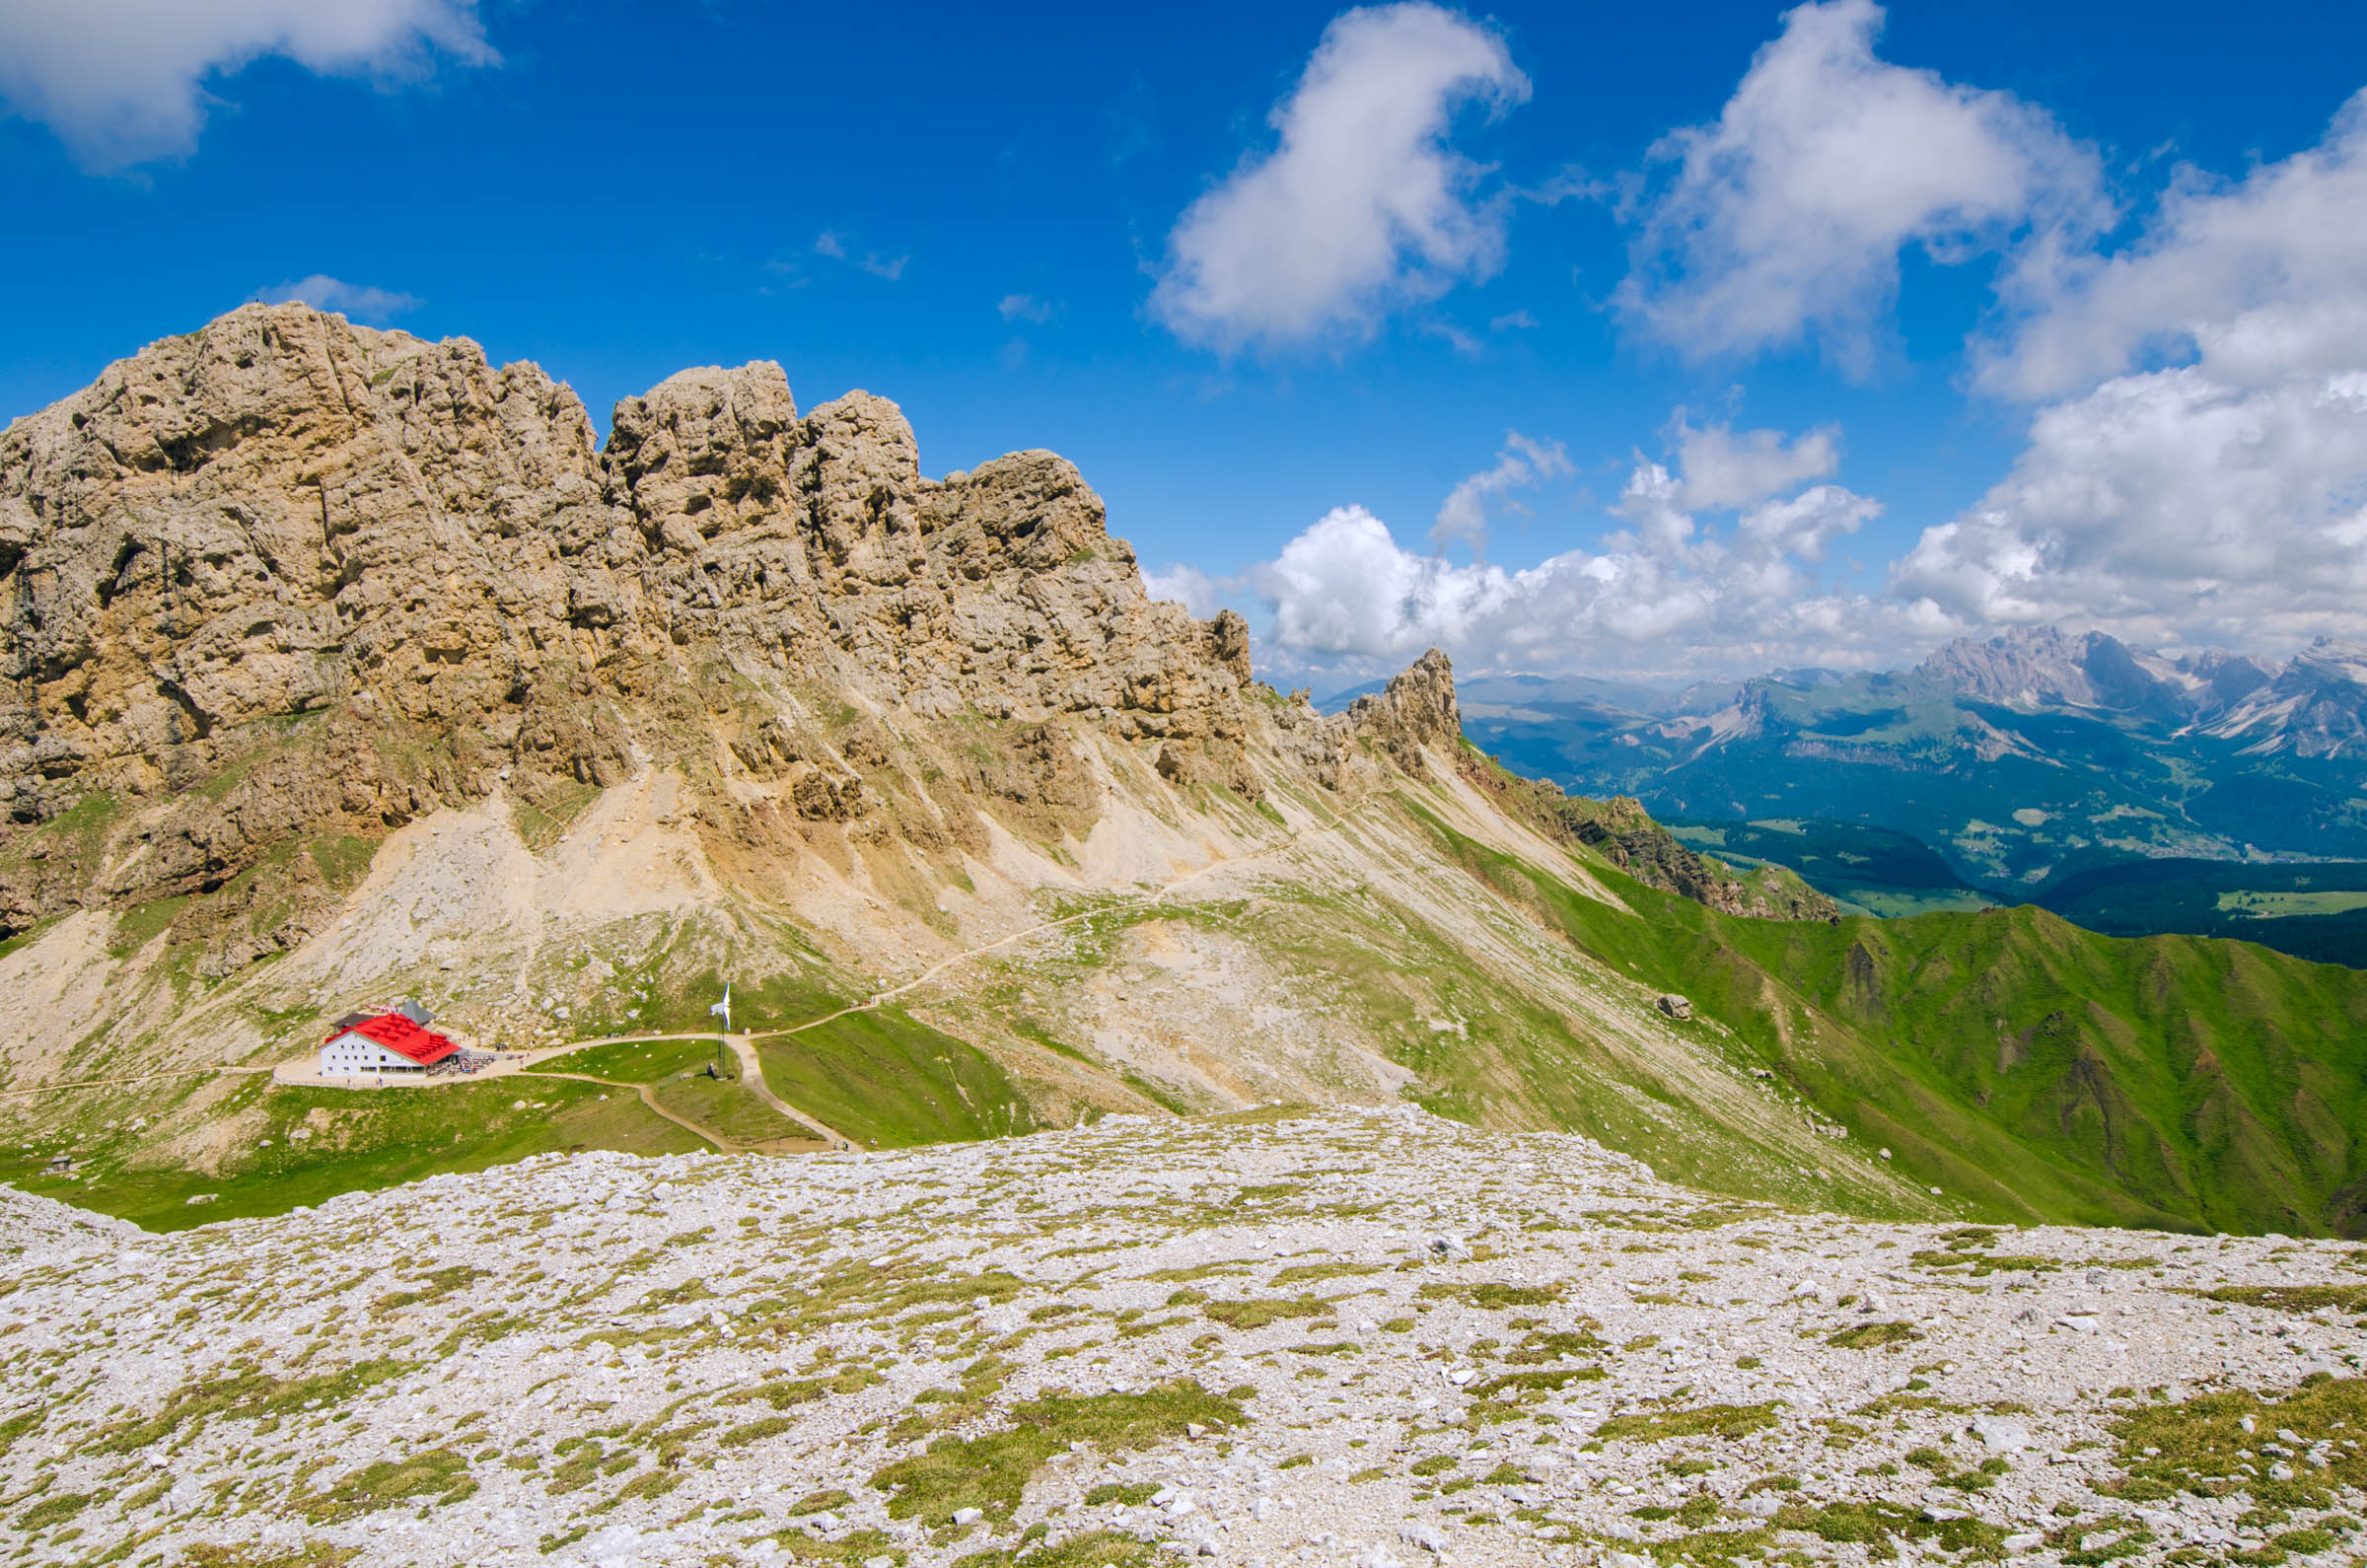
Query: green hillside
point(2033, 1069)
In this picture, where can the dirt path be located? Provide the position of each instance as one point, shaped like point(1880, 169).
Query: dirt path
point(305, 1072)
point(138, 1078)
point(511, 1064)
point(1159, 894)
point(705, 1135)
point(752, 1073)
point(709, 1135)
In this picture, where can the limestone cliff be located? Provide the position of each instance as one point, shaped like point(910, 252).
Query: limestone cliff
point(287, 577)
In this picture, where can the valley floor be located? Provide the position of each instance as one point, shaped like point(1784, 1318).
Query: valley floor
point(1339, 1338)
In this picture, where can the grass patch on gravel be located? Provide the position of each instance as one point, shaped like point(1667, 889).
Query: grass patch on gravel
point(2293, 1298)
point(1492, 1294)
point(1100, 1548)
point(438, 1475)
point(244, 1394)
point(989, 1472)
point(2204, 1449)
point(1872, 1336)
point(1256, 1311)
point(1707, 1420)
point(1879, 1527)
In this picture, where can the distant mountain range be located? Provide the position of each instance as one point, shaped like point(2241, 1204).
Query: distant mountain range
point(2021, 758)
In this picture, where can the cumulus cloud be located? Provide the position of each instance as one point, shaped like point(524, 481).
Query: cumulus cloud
point(1784, 219)
point(1726, 470)
point(1463, 515)
point(1667, 592)
point(1362, 206)
point(2170, 505)
point(2218, 497)
point(2258, 278)
point(124, 81)
point(360, 301)
point(1024, 307)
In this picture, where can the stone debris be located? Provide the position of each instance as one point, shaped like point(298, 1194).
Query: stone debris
point(1235, 1340)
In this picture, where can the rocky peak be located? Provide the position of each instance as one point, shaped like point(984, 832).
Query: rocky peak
point(379, 574)
point(2039, 664)
point(703, 451)
point(1417, 709)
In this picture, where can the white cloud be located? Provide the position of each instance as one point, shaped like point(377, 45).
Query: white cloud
point(832, 244)
point(357, 300)
point(1024, 307)
point(1362, 206)
point(2169, 506)
point(1189, 587)
point(1463, 515)
point(124, 81)
point(1517, 321)
point(1724, 470)
point(2221, 499)
point(2257, 278)
point(1664, 593)
point(1785, 217)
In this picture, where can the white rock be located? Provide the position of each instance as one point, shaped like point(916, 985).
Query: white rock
point(2000, 1435)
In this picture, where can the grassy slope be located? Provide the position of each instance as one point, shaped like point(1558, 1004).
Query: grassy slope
point(640, 1061)
point(374, 1139)
point(890, 1081)
point(2040, 1070)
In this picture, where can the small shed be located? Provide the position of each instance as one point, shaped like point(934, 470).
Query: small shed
point(388, 1042)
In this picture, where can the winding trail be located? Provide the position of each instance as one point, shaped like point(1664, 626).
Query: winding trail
point(724, 1145)
point(305, 1072)
point(136, 1078)
point(1155, 896)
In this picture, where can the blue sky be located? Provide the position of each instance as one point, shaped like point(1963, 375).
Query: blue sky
point(1749, 338)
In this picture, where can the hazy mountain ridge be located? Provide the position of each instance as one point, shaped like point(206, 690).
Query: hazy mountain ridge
point(2020, 757)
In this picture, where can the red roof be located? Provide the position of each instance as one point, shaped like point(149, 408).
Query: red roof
point(404, 1037)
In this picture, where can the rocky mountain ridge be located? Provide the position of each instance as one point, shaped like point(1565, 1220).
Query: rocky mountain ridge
point(284, 522)
point(2031, 755)
point(339, 667)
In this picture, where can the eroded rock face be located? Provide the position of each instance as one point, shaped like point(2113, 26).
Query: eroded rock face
point(1416, 710)
point(286, 576)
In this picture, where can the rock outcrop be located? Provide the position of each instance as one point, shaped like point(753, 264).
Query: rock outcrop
point(1414, 711)
point(287, 577)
